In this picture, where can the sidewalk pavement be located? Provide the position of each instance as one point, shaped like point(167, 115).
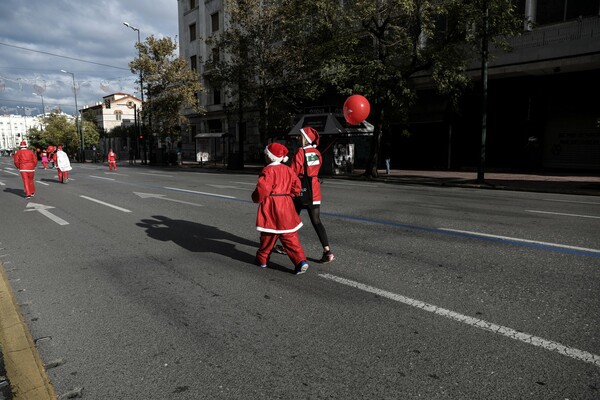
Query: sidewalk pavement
point(565, 183)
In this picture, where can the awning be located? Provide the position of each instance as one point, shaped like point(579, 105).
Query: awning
point(331, 124)
point(210, 135)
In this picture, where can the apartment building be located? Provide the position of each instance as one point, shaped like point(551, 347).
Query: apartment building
point(14, 129)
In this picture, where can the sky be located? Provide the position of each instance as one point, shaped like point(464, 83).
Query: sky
point(39, 38)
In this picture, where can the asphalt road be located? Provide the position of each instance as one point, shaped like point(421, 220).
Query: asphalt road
point(140, 284)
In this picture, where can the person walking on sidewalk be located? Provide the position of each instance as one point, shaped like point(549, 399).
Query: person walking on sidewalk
point(277, 218)
point(112, 160)
point(308, 140)
point(26, 161)
point(63, 165)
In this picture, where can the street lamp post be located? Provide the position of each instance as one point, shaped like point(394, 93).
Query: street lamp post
point(43, 108)
point(77, 122)
point(140, 123)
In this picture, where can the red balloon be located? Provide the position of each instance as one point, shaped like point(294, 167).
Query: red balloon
point(356, 109)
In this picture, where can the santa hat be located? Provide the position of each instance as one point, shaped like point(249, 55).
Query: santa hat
point(311, 135)
point(23, 145)
point(276, 152)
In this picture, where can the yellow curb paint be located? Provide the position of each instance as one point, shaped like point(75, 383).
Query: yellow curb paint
point(24, 367)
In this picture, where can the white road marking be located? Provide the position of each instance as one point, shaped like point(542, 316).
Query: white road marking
point(195, 192)
point(10, 172)
point(563, 246)
point(42, 183)
point(42, 209)
point(227, 187)
point(2, 184)
point(246, 183)
point(573, 201)
point(102, 177)
point(106, 204)
point(166, 176)
point(163, 197)
point(564, 214)
point(116, 173)
point(475, 322)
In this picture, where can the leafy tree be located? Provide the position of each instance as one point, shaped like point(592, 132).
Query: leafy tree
point(381, 46)
point(171, 86)
point(59, 130)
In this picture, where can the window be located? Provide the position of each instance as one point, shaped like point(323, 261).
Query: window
point(192, 4)
point(192, 32)
point(118, 115)
point(217, 96)
point(214, 22)
point(194, 63)
point(552, 11)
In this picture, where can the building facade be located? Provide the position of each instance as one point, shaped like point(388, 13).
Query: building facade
point(116, 110)
point(14, 129)
point(543, 111)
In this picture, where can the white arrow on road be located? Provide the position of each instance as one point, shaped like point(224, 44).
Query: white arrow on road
point(44, 211)
point(164, 197)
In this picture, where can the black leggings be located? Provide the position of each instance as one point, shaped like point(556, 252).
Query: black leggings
point(314, 213)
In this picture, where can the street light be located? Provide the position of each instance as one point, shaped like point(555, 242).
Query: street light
point(141, 82)
point(77, 124)
point(43, 107)
point(139, 56)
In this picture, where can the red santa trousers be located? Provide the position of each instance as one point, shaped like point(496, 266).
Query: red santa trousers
point(62, 175)
point(112, 165)
point(290, 242)
point(27, 177)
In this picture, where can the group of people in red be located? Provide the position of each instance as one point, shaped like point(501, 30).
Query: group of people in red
point(26, 161)
point(276, 191)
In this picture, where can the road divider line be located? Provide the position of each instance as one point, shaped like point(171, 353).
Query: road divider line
point(512, 239)
point(166, 176)
point(164, 197)
point(564, 214)
point(106, 204)
point(203, 193)
point(474, 322)
point(10, 172)
point(42, 183)
point(102, 177)
point(575, 201)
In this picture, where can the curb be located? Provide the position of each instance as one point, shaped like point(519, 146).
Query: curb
point(24, 367)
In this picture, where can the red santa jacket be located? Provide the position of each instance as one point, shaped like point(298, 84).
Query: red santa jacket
point(314, 162)
point(276, 185)
point(25, 160)
point(112, 156)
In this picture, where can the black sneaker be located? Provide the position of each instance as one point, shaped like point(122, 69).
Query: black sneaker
point(301, 268)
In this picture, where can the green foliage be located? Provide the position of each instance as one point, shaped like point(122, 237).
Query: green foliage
point(171, 86)
point(60, 130)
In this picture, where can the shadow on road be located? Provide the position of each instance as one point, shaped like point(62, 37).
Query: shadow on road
point(197, 237)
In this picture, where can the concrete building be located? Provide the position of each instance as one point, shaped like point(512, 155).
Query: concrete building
point(543, 110)
point(115, 110)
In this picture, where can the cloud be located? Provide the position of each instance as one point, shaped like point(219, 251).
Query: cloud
point(39, 38)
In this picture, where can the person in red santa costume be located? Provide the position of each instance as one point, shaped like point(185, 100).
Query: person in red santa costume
point(63, 165)
point(277, 217)
point(112, 160)
point(308, 141)
point(26, 161)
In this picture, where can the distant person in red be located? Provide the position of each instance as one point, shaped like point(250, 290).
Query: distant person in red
point(25, 160)
point(112, 160)
point(63, 165)
point(45, 159)
point(277, 218)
